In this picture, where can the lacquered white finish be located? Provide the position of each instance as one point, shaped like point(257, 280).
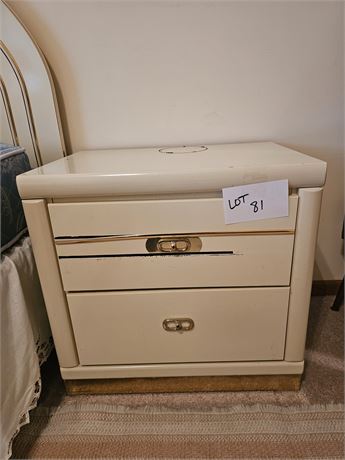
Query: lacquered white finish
point(256, 261)
point(126, 327)
point(183, 369)
point(37, 219)
point(149, 171)
point(236, 290)
point(155, 216)
point(302, 272)
point(137, 245)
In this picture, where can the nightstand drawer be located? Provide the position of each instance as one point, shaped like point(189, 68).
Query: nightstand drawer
point(253, 260)
point(200, 325)
point(155, 217)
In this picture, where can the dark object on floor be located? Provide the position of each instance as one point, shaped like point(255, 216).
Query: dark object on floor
point(339, 298)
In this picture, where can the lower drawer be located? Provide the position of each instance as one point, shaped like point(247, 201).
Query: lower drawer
point(216, 325)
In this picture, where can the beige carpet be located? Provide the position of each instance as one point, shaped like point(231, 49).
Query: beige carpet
point(246, 425)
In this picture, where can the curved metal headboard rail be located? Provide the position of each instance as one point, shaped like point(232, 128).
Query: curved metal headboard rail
point(26, 100)
point(9, 113)
point(28, 92)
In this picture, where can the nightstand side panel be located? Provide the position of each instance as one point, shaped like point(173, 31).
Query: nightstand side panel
point(38, 222)
point(302, 271)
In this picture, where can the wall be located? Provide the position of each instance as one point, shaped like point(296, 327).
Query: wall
point(140, 73)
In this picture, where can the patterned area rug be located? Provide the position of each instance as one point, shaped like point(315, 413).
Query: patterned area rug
point(101, 431)
point(308, 424)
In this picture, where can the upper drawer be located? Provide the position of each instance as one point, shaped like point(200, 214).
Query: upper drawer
point(247, 260)
point(155, 217)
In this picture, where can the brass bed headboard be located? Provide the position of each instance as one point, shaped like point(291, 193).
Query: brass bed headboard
point(29, 114)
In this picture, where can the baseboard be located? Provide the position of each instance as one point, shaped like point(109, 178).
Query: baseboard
point(325, 287)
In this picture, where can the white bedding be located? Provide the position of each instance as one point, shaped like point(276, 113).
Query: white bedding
point(25, 340)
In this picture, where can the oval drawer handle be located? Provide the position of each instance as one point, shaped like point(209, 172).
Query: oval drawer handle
point(178, 324)
point(175, 245)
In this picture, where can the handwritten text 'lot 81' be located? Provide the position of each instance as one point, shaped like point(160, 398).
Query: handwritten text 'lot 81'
point(241, 200)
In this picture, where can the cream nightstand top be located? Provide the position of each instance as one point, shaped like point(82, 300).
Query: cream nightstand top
point(196, 169)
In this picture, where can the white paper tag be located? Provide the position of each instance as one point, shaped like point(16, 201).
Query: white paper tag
point(265, 200)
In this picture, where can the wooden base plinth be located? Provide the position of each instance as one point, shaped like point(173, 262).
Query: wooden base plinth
point(185, 384)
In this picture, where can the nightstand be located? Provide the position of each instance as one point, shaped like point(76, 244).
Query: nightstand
point(146, 287)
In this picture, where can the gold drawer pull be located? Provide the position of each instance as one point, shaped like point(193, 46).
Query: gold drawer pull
point(175, 245)
point(178, 324)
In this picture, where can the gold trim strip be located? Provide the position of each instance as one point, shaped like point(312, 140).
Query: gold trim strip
point(9, 113)
point(104, 239)
point(27, 104)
